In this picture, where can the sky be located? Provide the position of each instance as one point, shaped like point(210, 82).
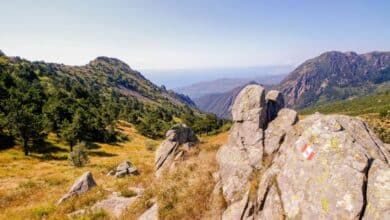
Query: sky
point(197, 34)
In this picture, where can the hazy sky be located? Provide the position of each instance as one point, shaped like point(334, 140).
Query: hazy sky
point(191, 34)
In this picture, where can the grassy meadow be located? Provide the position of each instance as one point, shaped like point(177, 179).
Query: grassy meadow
point(30, 186)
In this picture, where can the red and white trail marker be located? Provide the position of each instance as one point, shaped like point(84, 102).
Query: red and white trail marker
point(307, 152)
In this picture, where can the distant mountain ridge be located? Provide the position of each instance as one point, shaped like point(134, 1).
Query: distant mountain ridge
point(219, 104)
point(223, 85)
point(329, 77)
point(335, 76)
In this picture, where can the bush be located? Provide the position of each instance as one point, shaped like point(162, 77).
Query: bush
point(79, 156)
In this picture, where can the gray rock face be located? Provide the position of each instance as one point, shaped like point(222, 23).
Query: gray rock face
point(250, 105)
point(82, 185)
point(378, 191)
point(243, 153)
point(124, 169)
point(178, 139)
point(150, 214)
point(322, 167)
point(278, 128)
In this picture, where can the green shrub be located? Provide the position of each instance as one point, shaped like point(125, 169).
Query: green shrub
point(79, 156)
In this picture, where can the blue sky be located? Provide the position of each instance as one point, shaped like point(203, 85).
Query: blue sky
point(192, 34)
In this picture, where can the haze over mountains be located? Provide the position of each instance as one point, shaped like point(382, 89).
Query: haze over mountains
point(181, 78)
point(223, 85)
point(328, 77)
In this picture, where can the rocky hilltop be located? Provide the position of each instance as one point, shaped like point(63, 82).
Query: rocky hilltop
point(275, 166)
point(334, 76)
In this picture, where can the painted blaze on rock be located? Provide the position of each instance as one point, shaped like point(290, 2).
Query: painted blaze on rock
point(336, 176)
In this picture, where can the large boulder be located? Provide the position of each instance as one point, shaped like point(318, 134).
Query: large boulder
point(249, 105)
point(322, 167)
point(178, 140)
point(81, 185)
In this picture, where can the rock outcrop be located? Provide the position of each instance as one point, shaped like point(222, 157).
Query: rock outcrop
point(81, 185)
point(244, 151)
point(178, 140)
point(116, 204)
point(124, 169)
point(322, 167)
point(150, 214)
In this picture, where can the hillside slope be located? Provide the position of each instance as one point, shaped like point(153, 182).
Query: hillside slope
point(83, 102)
point(219, 104)
point(336, 76)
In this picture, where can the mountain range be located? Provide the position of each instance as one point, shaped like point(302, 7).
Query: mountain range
point(329, 77)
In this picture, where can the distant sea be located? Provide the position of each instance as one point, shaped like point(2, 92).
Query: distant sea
point(175, 78)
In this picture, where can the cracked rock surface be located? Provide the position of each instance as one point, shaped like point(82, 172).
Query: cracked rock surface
point(321, 167)
point(178, 139)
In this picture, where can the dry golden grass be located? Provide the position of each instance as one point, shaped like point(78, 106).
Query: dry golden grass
point(31, 186)
point(187, 191)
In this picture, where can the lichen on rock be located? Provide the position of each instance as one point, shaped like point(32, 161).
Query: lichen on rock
point(321, 167)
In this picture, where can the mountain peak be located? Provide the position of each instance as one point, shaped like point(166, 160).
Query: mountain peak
point(108, 60)
point(339, 54)
point(1, 53)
